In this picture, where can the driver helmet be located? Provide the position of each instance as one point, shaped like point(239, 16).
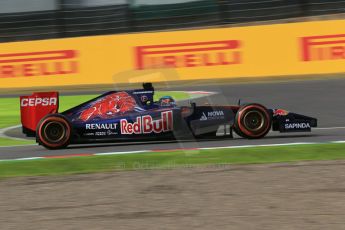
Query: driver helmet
point(167, 101)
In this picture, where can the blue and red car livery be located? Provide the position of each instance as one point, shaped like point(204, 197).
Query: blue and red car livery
point(134, 115)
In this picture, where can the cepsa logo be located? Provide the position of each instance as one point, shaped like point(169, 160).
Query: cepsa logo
point(45, 63)
point(323, 48)
point(37, 101)
point(146, 124)
point(212, 53)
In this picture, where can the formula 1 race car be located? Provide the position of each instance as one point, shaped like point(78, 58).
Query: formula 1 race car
point(134, 115)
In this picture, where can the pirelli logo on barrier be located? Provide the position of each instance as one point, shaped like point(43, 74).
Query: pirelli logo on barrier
point(43, 63)
point(323, 48)
point(197, 54)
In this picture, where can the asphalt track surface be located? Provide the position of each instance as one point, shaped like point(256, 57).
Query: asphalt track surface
point(323, 99)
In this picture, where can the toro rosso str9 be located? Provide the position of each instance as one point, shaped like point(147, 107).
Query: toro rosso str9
point(134, 115)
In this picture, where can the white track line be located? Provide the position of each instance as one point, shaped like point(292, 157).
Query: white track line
point(4, 130)
point(120, 153)
point(329, 128)
point(29, 158)
point(23, 159)
point(336, 142)
point(13, 146)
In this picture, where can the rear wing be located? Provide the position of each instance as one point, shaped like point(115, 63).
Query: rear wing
point(33, 108)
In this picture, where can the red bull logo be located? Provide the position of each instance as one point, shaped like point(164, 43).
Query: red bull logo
point(146, 124)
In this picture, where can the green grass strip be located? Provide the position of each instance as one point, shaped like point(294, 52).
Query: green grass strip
point(175, 159)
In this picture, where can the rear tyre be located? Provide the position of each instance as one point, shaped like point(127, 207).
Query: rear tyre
point(252, 121)
point(54, 132)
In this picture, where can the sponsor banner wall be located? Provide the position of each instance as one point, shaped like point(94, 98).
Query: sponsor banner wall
point(255, 51)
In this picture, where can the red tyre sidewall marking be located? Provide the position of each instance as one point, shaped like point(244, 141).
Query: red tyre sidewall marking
point(243, 129)
point(68, 131)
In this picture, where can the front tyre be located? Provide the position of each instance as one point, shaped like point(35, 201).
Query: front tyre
point(252, 121)
point(54, 132)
